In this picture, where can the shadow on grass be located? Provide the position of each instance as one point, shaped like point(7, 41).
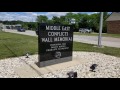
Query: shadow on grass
point(10, 50)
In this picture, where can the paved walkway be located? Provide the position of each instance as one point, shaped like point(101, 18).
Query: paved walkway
point(30, 71)
point(106, 41)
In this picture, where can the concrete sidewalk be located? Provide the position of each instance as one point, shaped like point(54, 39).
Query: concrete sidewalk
point(30, 71)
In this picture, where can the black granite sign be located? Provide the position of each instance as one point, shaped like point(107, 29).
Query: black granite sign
point(55, 42)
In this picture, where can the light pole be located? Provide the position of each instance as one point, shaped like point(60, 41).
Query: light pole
point(100, 29)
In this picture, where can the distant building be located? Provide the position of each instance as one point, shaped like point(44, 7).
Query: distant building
point(1, 26)
point(11, 26)
point(113, 23)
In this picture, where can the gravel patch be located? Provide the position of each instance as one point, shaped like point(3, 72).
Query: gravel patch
point(108, 66)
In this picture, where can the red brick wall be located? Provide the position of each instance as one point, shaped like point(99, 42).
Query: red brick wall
point(113, 27)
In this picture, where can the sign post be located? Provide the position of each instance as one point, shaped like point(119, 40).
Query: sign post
point(55, 43)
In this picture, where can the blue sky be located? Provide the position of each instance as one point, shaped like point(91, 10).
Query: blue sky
point(31, 16)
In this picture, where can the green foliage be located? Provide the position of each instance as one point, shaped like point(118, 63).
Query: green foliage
point(11, 22)
point(82, 21)
point(42, 19)
point(25, 26)
point(32, 25)
point(77, 46)
point(50, 21)
point(56, 20)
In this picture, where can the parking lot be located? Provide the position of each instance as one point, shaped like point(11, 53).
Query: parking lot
point(106, 41)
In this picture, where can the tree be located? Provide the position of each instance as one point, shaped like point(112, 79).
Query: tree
point(69, 16)
point(56, 20)
point(50, 21)
point(25, 26)
point(84, 21)
point(42, 19)
point(32, 25)
point(94, 22)
point(63, 20)
point(77, 18)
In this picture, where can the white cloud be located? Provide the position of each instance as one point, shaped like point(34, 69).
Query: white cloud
point(92, 13)
point(26, 16)
point(31, 13)
point(30, 16)
point(51, 14)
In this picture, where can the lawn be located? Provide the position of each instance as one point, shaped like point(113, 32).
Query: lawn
point(77, 46)
point(13, 45)
point(96, 34)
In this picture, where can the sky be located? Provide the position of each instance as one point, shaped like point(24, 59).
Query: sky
point(31, 16)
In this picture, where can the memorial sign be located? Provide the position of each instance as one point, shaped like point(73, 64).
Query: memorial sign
point(55, 43)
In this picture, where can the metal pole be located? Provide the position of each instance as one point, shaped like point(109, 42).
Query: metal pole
point(100, 29)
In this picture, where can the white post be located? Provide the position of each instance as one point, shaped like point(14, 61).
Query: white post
point(100, 29)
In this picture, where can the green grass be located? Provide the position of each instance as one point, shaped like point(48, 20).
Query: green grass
point(77, 46)
point(96, 34)
point(13, 45)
